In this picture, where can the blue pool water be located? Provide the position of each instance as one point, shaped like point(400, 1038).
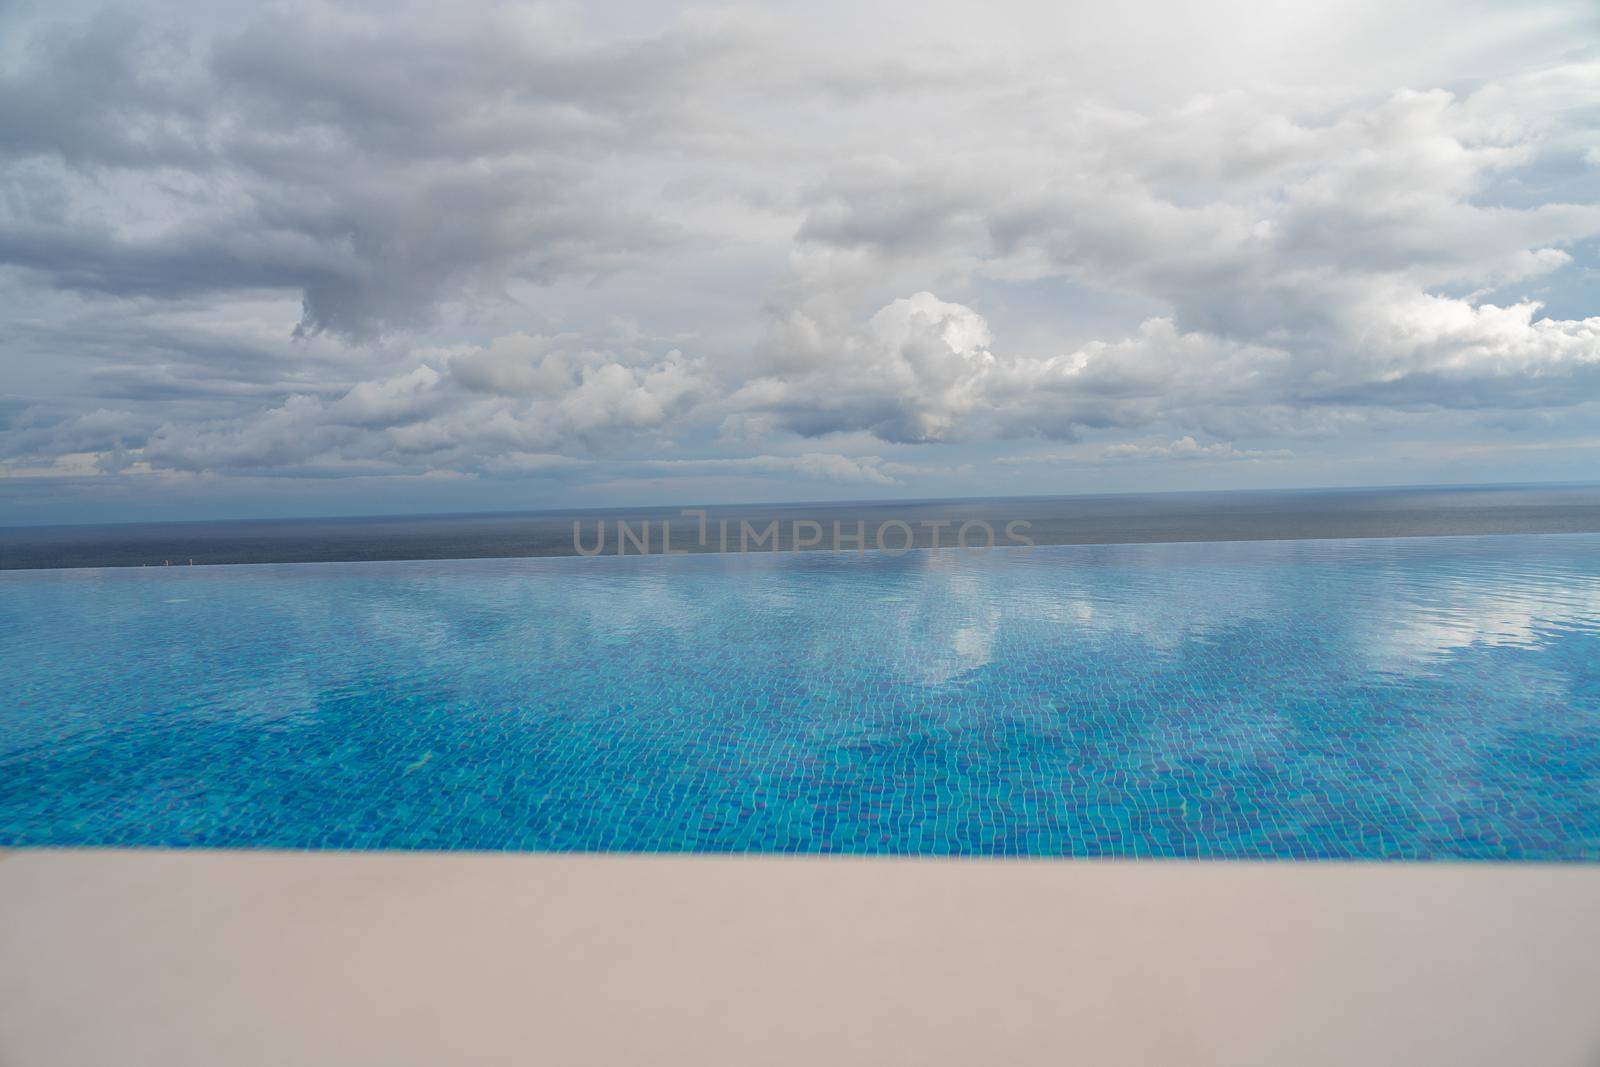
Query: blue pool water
point(1426, 699)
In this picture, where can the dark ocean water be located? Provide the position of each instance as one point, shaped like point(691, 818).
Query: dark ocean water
point(1101, 519)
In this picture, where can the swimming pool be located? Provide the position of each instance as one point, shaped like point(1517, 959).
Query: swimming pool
point(1432, 698)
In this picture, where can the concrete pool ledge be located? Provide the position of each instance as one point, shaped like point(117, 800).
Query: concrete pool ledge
point(251, 957)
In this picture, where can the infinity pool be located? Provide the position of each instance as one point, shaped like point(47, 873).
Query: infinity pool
point(1418, 699)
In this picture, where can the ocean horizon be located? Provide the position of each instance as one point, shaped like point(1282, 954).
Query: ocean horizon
point(1121, 518)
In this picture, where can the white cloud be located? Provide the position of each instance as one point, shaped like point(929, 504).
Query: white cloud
point(1188, 448)
point(504, 407)
point(815, 466)
point(910, 373)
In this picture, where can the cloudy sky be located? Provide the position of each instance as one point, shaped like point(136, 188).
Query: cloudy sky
point(341, 258)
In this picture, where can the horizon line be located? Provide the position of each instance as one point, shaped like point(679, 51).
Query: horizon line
point(608, 510)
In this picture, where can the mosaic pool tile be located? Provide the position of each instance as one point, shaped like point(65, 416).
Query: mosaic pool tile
point(1419, 699)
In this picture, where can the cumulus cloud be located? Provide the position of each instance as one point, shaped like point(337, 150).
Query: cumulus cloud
point(909, 374)
point(1318, 264)
point(923, 369)
point(482, 409)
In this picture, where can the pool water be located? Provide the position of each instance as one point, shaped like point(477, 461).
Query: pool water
point(1431, 698)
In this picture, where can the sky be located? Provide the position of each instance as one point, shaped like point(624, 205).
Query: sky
point(320, 259)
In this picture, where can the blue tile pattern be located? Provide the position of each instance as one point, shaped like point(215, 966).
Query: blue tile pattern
point(1419, 699)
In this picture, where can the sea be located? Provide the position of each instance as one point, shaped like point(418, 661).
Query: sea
point(1128, 518)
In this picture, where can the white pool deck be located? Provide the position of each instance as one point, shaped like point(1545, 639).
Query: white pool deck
point(242, 958)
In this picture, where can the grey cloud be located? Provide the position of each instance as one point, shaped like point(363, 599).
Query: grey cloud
point(456, 202)
point(893, 209)
point(107, 91)
point(377, 172)
point(40, 435)
point(206, 255)
point(11, 410)
point(486, 86)
point(374, 254)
